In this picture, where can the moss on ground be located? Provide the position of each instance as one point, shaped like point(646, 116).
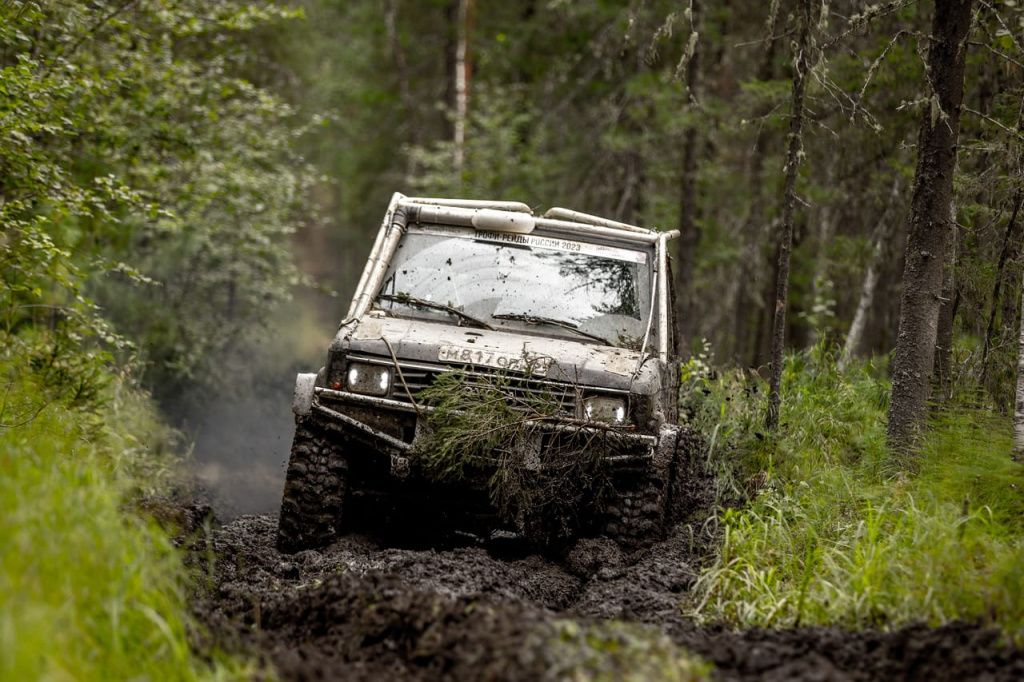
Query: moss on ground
point(614, 650)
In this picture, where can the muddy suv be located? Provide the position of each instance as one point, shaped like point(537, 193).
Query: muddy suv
point(568, 307)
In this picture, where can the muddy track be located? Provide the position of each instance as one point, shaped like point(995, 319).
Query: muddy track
point(363, 610)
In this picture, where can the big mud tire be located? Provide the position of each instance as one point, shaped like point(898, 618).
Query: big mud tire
point(635, 509)
point(314, 492)
point(642, 506)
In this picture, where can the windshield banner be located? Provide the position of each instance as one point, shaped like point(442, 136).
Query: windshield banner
point(536, 242)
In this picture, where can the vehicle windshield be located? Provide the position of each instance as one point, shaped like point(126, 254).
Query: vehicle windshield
point(557, 287)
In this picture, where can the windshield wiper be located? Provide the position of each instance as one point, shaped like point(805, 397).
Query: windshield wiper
point(539, 319)
point(433, 305)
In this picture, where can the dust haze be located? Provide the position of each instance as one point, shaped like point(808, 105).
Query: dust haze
point(241, 433)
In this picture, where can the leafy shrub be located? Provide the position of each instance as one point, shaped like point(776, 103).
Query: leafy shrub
point(130, 134)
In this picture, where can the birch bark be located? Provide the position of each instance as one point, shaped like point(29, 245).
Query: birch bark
point(879, 241)
point(462, 69)
point(686, 245)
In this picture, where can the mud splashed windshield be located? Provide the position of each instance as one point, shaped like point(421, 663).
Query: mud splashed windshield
point(520, 282)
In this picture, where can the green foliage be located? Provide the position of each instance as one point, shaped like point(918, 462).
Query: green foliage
point(147, 195)
point(504, 139)
point(489, 427)
point(472, 416)
point(127, 134)
point(835, 535)
point(88, 592)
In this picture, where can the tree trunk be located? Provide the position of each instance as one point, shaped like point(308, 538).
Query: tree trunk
point(1004, 253)
point(1018, 410)
point(914, 356)
point(883, 231)
point(762, 336)
point(942, 368)
point(820, 286)
point(451, 46)
point(461, 76)
point(401, 66)
point(801, 64)
point(686, 249)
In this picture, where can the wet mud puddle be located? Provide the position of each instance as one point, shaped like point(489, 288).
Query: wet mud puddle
point(361, 609)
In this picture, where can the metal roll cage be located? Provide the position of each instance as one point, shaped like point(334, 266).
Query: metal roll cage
point(403, 210)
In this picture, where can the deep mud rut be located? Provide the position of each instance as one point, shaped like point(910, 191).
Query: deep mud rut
point(362, 610)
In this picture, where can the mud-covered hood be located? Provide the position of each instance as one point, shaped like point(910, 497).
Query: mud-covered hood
point(557, 359)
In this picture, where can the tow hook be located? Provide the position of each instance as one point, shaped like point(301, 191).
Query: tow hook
point(399, 466)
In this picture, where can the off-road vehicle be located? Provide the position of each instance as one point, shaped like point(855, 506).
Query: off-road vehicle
point(567, 306)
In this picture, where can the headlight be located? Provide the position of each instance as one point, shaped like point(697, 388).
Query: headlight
point(368, 379)
point(600, 408)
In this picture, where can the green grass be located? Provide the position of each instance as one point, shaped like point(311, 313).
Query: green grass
point(837, 534)
point(88, 591)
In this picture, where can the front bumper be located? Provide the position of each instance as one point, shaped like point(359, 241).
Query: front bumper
point(396, 425)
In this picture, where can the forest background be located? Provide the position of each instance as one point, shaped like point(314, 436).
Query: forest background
point(189, 190)
point(206, 163)
point(677, 115)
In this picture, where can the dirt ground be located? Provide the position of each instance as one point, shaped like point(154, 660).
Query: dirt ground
point(365, 609)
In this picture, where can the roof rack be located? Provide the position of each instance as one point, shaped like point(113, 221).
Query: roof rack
point(558, 213)
point(516, 206)
point(461, 211)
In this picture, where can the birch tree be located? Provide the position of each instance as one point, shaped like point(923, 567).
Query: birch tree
point(879, 246)
point(690, 232)
point(461, 76)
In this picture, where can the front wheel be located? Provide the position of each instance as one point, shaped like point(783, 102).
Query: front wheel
point(642, 506)
point(635, 509)
point(314, 491)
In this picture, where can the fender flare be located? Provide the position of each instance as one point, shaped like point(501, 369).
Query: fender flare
point(302, 399)
point(668, 434)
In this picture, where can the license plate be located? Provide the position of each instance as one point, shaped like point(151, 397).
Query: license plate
point(534, 364)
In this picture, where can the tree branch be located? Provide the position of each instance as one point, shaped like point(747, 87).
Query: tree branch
point(995, 122)
point(88, 34)
point(859, 20)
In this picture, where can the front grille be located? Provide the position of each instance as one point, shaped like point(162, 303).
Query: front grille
point(419, 376)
